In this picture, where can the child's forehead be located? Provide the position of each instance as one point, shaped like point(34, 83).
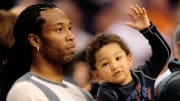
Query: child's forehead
point(109, 49)
point(109, 46)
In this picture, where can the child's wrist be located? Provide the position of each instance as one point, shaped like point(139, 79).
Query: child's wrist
point(147, 28)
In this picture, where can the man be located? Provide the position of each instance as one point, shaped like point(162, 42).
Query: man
point(168, 89)
point(43, 43)
point(175, 8)
point(176, 42)
point(7, 21)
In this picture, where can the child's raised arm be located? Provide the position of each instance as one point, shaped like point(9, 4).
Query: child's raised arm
point(139, 18)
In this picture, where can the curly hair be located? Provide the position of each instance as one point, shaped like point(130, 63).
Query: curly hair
point(98, 42)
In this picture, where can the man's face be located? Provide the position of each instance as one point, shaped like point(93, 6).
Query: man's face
point(177, 50)
point(58, 45)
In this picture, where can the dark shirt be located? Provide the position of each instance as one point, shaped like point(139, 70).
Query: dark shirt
point(142, 86)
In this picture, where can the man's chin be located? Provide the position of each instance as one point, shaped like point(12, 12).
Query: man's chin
point(68, 60)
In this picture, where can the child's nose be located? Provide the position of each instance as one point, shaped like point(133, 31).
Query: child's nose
point(114, 65)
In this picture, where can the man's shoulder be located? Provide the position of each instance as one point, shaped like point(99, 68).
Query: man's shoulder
point(172, 82)
point(169, 86)
point(24, 90)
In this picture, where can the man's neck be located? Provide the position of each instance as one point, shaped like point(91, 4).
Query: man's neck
point(48, 71)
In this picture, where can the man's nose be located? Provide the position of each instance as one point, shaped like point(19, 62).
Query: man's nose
point(70, 36)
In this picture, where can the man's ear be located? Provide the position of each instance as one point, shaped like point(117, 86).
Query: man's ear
point(177, 50)
point(34, 40)
point(96, 75)
point(178, 46)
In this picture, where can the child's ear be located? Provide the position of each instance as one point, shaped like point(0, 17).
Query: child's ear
point(96, 75)
point(130, 59)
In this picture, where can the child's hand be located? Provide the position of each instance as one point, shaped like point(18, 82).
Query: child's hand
point(139, 17)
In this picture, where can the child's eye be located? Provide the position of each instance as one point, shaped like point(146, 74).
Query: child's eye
point(118, 58)
point(104, 64)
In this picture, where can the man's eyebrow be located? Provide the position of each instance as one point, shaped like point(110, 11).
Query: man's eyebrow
point(70, 23)
point(60, 23)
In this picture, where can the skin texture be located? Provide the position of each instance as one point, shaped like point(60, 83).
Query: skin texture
point(81, 75)
point(139, 18)
point(177, 52)
point(54, 47)
point(113, 64)
point(57, 38)
point(7, 21)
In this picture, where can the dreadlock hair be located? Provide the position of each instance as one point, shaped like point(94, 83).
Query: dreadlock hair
point(20, 57)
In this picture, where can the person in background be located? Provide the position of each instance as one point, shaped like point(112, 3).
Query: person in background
point(110, 59)
point(168, 88)
point(43, 43)
point(81, 72)
point(108, 21)
point(176, 42)
point(7, 21)
point(175, 8)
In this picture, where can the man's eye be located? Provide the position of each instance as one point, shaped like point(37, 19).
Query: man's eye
point(59, 30)
point(70, 28)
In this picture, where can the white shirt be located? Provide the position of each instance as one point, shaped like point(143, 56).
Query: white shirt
point(25, 90)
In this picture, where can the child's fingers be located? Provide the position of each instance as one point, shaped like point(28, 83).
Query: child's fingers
point(134, 10)
point(140, 10)
point(132, 16)
point(144, 11)
point(130, 24)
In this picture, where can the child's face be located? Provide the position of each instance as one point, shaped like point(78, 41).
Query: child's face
point(113, 64)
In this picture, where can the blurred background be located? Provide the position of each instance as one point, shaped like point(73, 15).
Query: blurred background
point(90, 17)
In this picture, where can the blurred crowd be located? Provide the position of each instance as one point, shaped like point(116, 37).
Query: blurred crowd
point(89, 17)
